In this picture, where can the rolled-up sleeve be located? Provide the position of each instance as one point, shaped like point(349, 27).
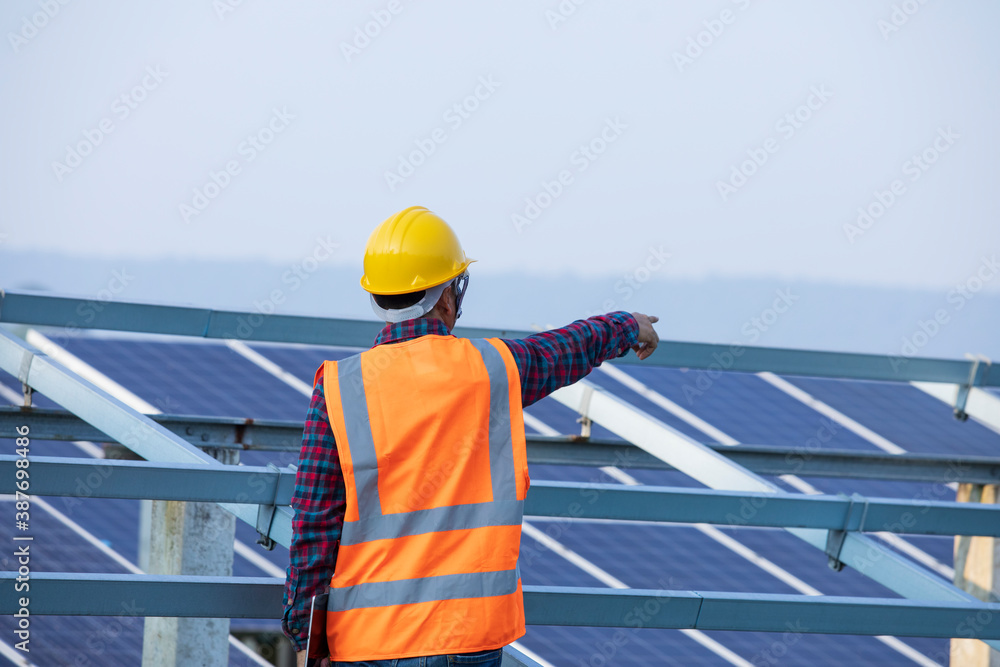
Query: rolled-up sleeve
point(559, 357)
point(318, 502)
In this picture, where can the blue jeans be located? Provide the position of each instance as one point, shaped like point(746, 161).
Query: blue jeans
point(482, 659)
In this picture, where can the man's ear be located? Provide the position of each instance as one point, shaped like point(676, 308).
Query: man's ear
point(445, 304)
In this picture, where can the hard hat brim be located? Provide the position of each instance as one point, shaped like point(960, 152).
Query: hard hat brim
point(366, 286)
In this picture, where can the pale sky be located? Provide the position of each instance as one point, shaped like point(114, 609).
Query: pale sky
point(498, 100)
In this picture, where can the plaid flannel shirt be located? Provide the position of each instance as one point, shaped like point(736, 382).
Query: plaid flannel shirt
point(546, 361)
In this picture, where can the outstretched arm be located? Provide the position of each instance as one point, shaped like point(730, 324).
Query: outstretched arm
point(559, 357)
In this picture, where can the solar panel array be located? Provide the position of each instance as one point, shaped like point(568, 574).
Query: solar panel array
point(207, 378)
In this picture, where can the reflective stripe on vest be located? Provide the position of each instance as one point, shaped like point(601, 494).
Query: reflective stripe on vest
point(430, 436)
point(426, 589)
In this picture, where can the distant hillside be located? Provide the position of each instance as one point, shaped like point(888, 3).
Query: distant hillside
point(755, 311)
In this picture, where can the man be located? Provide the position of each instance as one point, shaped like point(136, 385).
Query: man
point(413, 470)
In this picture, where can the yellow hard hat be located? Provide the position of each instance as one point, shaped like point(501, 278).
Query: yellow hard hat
point(411, 251)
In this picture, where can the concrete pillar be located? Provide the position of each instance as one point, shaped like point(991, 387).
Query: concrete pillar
point(193, 539)
point(977, 571)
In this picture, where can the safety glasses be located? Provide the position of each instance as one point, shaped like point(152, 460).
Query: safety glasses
point(460, 284)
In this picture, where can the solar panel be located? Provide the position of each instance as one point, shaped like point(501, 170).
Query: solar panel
point(302, 361)
point(192, 378)
point(741, 405)
point(911, 418)
point(211, 379)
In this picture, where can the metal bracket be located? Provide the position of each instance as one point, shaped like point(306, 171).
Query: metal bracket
point(853, 522)
point(25, 368)
point(265, 516)
point(22, 374)
point(977, 376)
point(834, 544)
point(584, 408)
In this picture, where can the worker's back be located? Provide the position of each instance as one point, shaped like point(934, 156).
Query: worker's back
point(431, 440)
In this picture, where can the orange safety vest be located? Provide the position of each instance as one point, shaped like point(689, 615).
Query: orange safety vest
point(431, 440)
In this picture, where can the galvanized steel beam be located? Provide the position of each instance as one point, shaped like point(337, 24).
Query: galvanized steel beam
point(130, 595)
point(760, 612)
point(247, 434)
point(112, 478)
point(286, 435)
point(733, 508)
point(514, 658)
point(58, 476)
point(61, 311)
point(88, 594)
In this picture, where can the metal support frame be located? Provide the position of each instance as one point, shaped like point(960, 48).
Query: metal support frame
point(278, 435)
point(977, 374)
point(154, 595)
point(939, 610)
point(120, 422)
point(270, 488)
point(514, 658)
point(72, 594)
point(834, 545)
point(61, 311)
point(266, 510)
point(854, 520)
point(114, 478)
point(712, 469)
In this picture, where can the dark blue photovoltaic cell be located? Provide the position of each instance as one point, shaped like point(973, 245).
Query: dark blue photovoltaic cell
point(663, 478)
point(792, 423)
point(38, 447)
point(557, 416)
point(598, 476)
point(114, 522)
point(303, 361)
point(611, 546)
point(742, 405)
point(667, 565)
point(10, 382)
point(59, 640)
point(541, 567)
point(624, 647)
point(797, 557)
point(605, 381)
point(192, 378)
point(278, 556)
point(907, 416)
point(48, 447)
